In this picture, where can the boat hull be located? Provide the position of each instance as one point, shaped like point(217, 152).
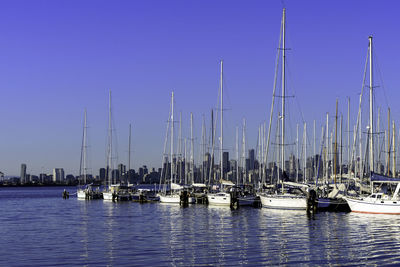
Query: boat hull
point(219, 199)
point(175, 198)
point(377, 207)
point(107, 195)
point(81, 194)
point(287, 202)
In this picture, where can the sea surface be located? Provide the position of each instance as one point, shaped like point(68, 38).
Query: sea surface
point(39, 228)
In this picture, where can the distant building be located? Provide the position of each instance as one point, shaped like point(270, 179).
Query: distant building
point(225, 161)
point(251, 159)
point(121, 169)
point(102, 174)
point(58, 175)
point(23, 173)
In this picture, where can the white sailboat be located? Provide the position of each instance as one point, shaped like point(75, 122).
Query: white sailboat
point(82, 191)
point(110, 191)
point(377, 202)
point(86, 191)
point(173, 196)
point(283, 200)
point(223, 197)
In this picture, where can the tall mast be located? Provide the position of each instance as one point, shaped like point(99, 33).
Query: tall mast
point(394, 150)
point(297, 154)
point(341, 148)
point(84, 149)
point(237, 155)
point(327, 145)
point(180, 148)
point(172, 136)
point(110, 167)
point(335, 154)
point(191, 149)
point(203, 148)
point(313, 157)
point(283, 91)
point(244, 151)
point(378, 130)
point(185, 174)
point(305, 153)
point(388, 145)
point(371, 106)
point(222, 133)
point(348, 139)
point(129, 153)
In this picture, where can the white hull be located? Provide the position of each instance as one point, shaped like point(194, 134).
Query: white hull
point(175, 198)
point(222, 199)
point(286, 201)
point(81, 194)
point(107, 195)
point(374, 207)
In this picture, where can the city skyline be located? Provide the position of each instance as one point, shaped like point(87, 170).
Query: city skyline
point(59, 58)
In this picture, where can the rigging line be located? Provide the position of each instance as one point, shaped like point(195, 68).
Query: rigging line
point(380, 77)
point(273, 94)
point(359, 110)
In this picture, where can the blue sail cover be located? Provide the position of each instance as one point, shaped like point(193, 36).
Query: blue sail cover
point(382, 178)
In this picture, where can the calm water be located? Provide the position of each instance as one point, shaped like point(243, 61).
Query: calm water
point(38, 227)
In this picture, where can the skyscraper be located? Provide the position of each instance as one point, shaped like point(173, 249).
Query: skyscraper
point(251, 159)
point(23, 173)
point(225, 161)
point(58, 175)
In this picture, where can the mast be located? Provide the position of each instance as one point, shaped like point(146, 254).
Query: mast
point(335, 154)
point(244, 151)
point(185, 174)
point(394, 151)
point(191, 149)
point(297, 154)
point(110, 167)
point(314, 155)
point(129, 153)
point(222, 133)
point(237, 155)
point(305, 152)
point(371, 110)
point(82, 169)
point(211, 175)
point(180, 148)
point(378, 141)
point(341, 148)
point(388, 146)
point(203, 148)
point(327, 144)
point(172, 137)
point(348, 139)
point(283, 92)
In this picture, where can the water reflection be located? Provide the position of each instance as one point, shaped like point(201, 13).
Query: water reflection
point(72, 232)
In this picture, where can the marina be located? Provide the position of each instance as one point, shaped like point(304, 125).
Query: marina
point(199, 134)
point(132, 234)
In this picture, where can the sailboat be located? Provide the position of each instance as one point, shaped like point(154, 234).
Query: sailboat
point(173, 196)
point(377, 202)
point(223, 197)
point(110, 192)
point(284, 200)
point(86, 191)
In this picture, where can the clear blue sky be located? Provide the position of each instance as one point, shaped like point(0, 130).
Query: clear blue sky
point(59, 57)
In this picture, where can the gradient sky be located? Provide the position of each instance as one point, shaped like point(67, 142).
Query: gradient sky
point(59, 57)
